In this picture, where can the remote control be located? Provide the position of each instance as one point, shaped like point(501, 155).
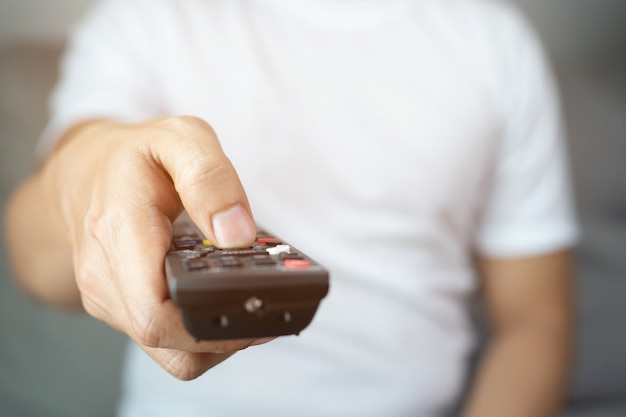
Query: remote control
point(268, 289)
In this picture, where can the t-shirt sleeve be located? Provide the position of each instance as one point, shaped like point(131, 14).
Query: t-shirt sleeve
point(107, 71)
point(529, 208)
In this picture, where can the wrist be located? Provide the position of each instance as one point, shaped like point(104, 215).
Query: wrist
point(65, 180)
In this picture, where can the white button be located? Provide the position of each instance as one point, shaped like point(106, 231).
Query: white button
point(278, 249)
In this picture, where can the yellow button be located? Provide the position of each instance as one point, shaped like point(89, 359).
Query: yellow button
point(207, 243)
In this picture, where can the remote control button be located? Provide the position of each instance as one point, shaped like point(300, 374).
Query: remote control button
point(263, 260)
point(230, 262)
point(195, 265)
point(276, 250)
point(296, 264)
point(206, 243)
point(267, 240)
point(185, 245)
point(290, 255)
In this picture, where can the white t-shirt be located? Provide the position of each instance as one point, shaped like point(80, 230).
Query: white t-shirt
point(390, 140)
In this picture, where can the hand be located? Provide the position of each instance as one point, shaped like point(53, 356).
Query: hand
point(118, 189)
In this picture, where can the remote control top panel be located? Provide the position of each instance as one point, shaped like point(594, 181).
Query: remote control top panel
point(265, 290)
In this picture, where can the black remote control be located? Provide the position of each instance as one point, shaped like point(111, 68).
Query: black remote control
point(268, 289)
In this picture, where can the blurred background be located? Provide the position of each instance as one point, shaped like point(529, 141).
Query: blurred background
point(63, 364)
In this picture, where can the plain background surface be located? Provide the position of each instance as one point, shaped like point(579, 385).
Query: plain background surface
point(571, 28)
point(65, 364)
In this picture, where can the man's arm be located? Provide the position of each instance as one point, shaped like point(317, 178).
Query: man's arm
point(93, 225)
point(38, 242)
point(525, 369)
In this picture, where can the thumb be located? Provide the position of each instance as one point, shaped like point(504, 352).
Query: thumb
point(205, 180)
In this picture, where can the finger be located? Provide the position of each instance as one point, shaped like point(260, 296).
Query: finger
point(185, 365)
point(94, 270)
point(95, 309)
point(152, 318)
point(206, 181)
point(162, 327)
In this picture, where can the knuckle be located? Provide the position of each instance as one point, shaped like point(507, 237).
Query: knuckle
point(98, 310)
point(202, 159)
point(195, 123)
point(83, 274)
point(202, 167)
point(90, 307)
point(145, 327)
point(185, 126)
point(87, 277)
point(91, 265)
point(99, 225)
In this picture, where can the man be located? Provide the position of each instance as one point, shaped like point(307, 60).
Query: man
point(412, 147)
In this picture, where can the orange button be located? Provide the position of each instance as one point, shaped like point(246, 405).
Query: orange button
point(296, 263)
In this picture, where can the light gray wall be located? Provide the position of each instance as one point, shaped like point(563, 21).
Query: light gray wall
point(572, 29)
point(38, 20)
point(575, 30)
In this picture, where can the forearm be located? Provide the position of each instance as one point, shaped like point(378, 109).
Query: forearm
point(37, 234)
point(524, 373)
point(38, 246)
point(108, 189)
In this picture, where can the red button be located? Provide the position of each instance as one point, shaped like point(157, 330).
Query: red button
point(296, 263)
point(263, 240)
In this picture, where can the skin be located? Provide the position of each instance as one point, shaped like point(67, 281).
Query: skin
point(525, 371)
point(110, 189)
